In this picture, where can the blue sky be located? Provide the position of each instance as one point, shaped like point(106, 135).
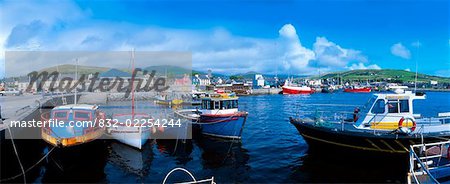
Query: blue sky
point(300, 37)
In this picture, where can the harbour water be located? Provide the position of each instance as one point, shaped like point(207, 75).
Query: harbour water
point(271, 150)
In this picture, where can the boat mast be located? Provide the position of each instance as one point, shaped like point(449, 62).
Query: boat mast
point(132, 85)
point(76, 78)
point(415, 82)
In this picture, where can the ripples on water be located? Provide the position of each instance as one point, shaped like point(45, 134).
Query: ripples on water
point(271, 149)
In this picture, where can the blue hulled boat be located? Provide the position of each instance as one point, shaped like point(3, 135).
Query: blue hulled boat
point(72, 125)
point(218, 116)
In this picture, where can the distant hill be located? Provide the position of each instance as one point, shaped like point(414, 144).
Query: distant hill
point(169, 70)
point(205, 73)
point(160, 70)
point(70, 69)
point(384, 74)
point(251, 74)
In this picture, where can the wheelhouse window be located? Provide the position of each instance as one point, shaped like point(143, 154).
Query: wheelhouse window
point(217, 105)
point(393, 106)
point(234, 104)
point(207, 104)
point(370, 102)
point(379, 107)
point(61, 115)
point(82, 115)
point(404, 106)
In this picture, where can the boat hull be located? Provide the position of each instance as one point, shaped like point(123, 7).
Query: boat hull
point(321, 139)
point(359, 90)
point(71, 141)
point(294, 90)
point(131, 136)
point(224, 126)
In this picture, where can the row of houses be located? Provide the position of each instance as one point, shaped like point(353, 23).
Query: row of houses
point(23, 82)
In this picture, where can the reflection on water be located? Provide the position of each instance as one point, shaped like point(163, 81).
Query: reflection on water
point(271, 150)
point(130, 159)
point(84, 163)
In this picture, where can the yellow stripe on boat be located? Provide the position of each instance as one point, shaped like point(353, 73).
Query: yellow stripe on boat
point(389, 125)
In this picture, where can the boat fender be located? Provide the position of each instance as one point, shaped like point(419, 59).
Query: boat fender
point(161, 129)
point(400, 123)
point(355, 114)
point(448, 153)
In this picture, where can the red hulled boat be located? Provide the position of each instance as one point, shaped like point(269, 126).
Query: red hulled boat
point(358, 90)
point(289, 89)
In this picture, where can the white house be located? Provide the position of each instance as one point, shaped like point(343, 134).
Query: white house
point(258, 81)
point(202, 80)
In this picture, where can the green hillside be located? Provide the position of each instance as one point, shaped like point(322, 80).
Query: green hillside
point(384, 75)
point(70, 69)
point(168, 70)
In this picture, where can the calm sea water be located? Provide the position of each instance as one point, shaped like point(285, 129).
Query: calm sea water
point(271, 150)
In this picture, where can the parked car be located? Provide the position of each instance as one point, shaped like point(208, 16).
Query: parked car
point(10, 92)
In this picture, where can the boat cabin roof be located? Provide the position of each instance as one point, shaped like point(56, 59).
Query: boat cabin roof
point(400, 96)
point(221, 97)
point(76, 106)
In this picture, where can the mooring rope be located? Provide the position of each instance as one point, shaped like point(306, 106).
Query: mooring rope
point(30, 168)
point(17, 155)
point(20, 162)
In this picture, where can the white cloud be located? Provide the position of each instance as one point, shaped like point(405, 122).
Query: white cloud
point(361, 66)
point(401, 51)
point(332, 55)
point(296, 56)
point(408, 70)
point(63, 26)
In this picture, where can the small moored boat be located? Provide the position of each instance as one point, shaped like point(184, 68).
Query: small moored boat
point(132, 128)
point(356, 89)
point(80, 124)
point(289, 88)
point(218, 116)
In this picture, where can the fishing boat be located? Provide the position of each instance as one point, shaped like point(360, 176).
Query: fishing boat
point(218, 116)
point(80, 125)
point(132, 128)
point(328, 89)
point(386, 125)
point(289, 88)
point(357, 89)
point(163, 100)
point(429, 163)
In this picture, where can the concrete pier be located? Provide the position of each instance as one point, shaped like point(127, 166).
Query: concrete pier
point(93, 98)
point(28, 107)
point(267, 91)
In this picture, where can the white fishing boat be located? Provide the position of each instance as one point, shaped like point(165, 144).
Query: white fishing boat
point(132, 128)
point(387, 124)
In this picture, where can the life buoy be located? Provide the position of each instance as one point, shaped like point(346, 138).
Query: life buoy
point(400, 123)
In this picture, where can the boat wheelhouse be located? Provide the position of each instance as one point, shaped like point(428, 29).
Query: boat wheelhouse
point(218, 116)
point(79, 125)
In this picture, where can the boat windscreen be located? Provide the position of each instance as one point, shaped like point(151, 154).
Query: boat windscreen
point(369, 104)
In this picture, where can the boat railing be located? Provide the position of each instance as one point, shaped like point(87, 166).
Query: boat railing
point(424, 158)
point(334, 118)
